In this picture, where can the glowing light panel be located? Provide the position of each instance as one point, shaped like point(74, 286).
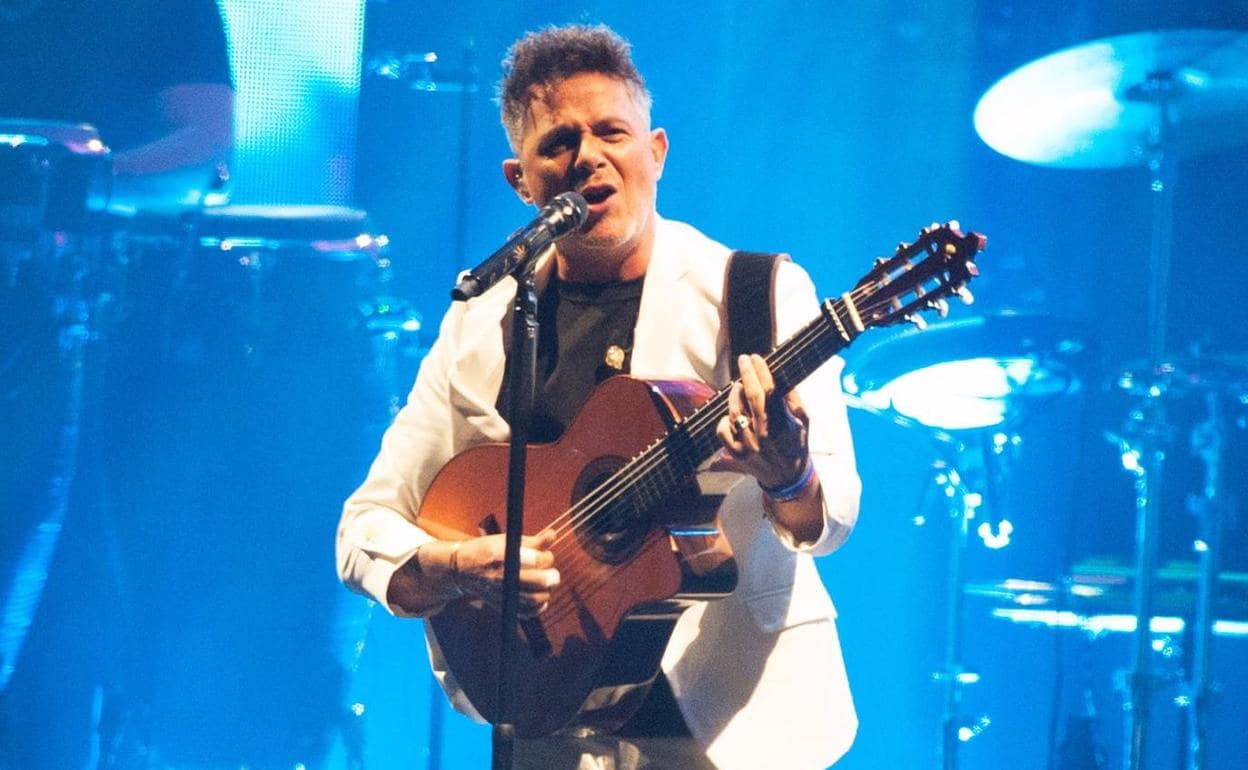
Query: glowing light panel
point(296, 67)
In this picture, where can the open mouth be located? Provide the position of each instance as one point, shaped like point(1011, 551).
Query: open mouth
point(597, 194)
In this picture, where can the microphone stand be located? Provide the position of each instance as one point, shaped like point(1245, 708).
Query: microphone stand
point(521, 377)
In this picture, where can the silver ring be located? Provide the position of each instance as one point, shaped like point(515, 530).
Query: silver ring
point(739, 424)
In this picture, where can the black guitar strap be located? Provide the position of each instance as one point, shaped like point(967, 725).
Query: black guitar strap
point(748, 298)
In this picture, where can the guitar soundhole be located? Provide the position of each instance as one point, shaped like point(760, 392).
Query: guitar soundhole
point(613, 532)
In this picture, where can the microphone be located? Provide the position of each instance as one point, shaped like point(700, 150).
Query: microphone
point(565, 214)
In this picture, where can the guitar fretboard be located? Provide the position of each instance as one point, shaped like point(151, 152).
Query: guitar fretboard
point(661, 469)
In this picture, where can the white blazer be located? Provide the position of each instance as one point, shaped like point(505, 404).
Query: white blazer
point(758, 674)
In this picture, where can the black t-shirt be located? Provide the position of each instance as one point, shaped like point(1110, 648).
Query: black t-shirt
point(103, 61)
point(586, 336)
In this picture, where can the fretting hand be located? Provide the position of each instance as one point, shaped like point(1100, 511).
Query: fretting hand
point(763, 434)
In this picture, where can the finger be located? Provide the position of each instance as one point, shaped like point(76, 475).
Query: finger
point(730, 445)
point(532, 557)
point(539, 579)
point(542, 540)
point(763, 372)
point(736, 401)
point(796, 408)
point(537, 549)
point(529, 557)
point(755, 400)
point(732, 427)
point(779, 419)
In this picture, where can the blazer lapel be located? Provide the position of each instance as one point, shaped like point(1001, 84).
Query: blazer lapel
point(663, 296)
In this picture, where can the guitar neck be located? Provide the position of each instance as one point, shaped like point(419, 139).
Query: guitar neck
point(895, 289)
point(661, 469)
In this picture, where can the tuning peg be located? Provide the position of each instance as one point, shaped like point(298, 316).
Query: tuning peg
point(919, 321)
point(964, 294)
point(940, 306)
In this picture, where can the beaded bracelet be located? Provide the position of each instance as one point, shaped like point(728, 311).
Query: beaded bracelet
point(792, 491)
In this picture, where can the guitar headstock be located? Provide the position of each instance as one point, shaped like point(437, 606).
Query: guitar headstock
point(919, 277)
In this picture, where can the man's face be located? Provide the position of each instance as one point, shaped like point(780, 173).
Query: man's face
point(588, 133)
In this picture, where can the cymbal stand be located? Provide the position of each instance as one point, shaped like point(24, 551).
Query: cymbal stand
point(1159, 89)
point(953, 476)
point(953, 676)
point(1145, 459)
point(1206, 443)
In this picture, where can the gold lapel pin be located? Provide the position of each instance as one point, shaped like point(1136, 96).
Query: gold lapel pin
point(614, 357)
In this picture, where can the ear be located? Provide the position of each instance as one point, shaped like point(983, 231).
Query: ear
point(658, 150)
point(515, 178)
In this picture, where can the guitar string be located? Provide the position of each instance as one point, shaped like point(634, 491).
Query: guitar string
point(657, 454)
point(802, 343)
point(701, 421)
point(654, 457)
point(578, 564)
point(586, 512)
point(561, 603)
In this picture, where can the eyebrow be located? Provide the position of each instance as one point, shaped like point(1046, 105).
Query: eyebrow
point(558, 134)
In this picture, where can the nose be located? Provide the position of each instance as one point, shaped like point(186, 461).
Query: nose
point(589, 156)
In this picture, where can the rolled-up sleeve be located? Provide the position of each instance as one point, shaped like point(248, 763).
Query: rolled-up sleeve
point(377, 532)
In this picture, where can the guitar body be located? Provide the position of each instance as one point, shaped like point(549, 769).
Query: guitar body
point(626, 562)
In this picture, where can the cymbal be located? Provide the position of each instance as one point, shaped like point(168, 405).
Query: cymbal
point(966, 373)
point(1111, 102)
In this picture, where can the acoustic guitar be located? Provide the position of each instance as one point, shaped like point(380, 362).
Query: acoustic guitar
point(637, 538)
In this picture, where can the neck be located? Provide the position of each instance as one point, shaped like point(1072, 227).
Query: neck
point(578, 261)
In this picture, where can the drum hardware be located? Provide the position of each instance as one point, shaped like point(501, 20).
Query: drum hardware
point(55, 298)
point(1144, 99)
point(1209, 508)
point(428, 72)
point(1096, 597)
point(424, 71)
point(1151, 432)
point(969, 385)
point(70, 318)
point(280, 272)
point(393, 328)
point(956, 727)
point(56, 176)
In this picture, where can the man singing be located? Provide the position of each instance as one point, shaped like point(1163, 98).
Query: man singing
point(751, 680)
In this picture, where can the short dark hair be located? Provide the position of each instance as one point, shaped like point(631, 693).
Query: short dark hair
point(550, 54)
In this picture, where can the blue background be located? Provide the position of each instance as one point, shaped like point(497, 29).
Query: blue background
point(829, 131)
